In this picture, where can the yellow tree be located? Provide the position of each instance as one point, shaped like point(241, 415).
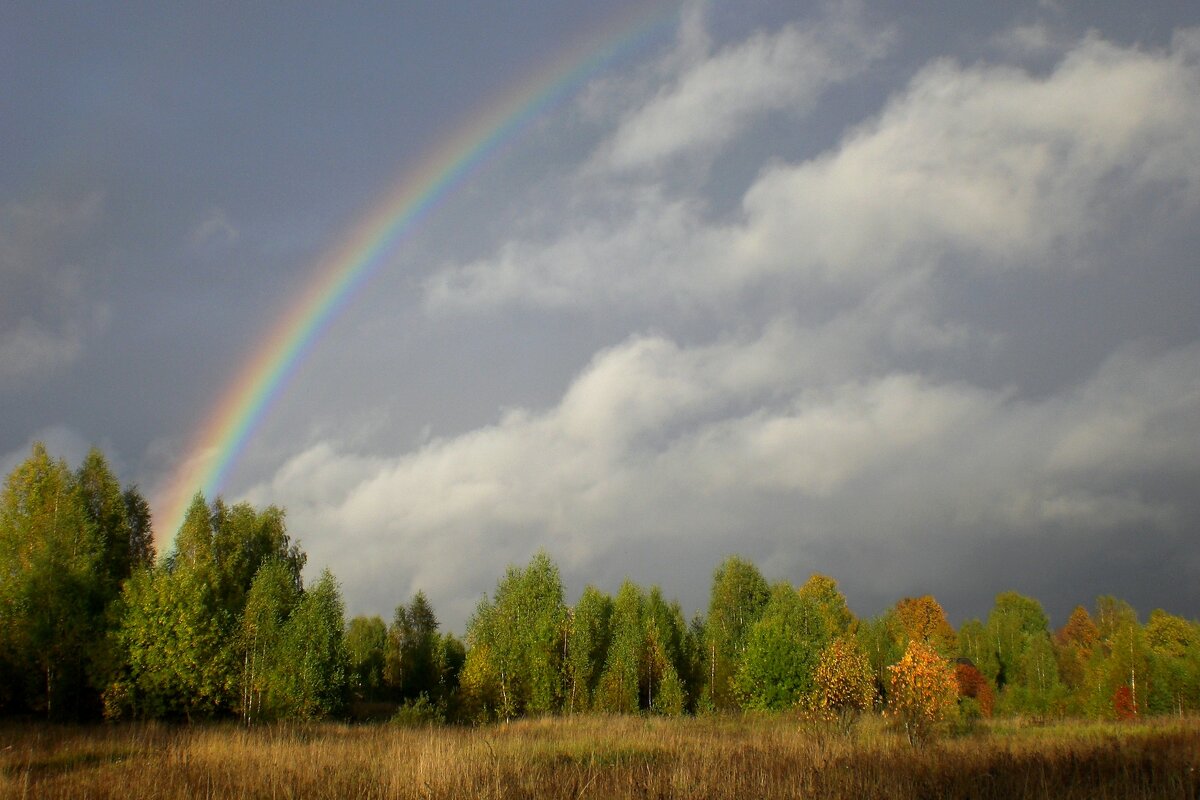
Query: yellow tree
point(922, 692)
point(844, 682)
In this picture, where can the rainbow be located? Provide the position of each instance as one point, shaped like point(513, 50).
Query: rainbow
point(216, 446)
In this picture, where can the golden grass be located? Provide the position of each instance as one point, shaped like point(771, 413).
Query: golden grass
point(715, 757)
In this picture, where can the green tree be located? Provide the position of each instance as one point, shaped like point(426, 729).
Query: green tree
point(587, 647)
point(1035, 685)
point(243, 539)
point(194, 541)
point(183, 626)
point(640, 672)
point(1171, 640)
point(104, 507)
point(313, 647)
point(54, 588)
point(451, 657)
point(141, 529)
point(481, 695)
point(1120, 658)
point(619, 690)
point(272, 598)
point(694, 670)
point(1014, 622)
point(882, 639)
point(975, 644)
point(739, 595)
point(524, 629)
point(366, 646)
point(411, 667)
point(174, 637)
point(782, 651)
point(823, 591)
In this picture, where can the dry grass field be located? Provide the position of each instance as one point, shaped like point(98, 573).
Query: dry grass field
point(722, 757)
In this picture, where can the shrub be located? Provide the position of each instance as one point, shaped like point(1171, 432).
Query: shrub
point(419, 712)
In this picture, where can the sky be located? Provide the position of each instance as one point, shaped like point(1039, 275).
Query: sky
point(903, 293)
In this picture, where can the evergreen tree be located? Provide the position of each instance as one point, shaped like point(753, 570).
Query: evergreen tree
point(104, 507)
point(141, 531)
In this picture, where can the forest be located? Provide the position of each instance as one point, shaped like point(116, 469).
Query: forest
point(95, 624)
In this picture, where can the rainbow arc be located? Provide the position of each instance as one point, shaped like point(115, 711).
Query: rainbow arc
point(216, 446)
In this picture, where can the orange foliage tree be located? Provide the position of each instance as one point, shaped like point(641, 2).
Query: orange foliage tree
point(922, 692)
point(923, 620)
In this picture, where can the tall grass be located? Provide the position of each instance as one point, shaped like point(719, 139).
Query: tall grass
point(714, 757)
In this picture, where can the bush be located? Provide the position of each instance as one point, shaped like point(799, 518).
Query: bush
point(419, 713)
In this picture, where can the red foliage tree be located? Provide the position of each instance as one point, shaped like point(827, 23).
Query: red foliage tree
point(1123, 703)
point(972, 683)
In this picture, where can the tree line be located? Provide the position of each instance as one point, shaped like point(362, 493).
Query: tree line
point(94, 623)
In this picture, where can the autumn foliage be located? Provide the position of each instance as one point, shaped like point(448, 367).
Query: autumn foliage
point(922, 691)
point(1123, 703)
point(844, 680)
point(924, 620)
point(973, 684)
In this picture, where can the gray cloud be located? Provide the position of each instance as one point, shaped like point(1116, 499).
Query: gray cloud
point(710, 100)
point(992, 166)
point(47, 312)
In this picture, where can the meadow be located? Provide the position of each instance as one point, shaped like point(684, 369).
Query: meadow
point(737, 756)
